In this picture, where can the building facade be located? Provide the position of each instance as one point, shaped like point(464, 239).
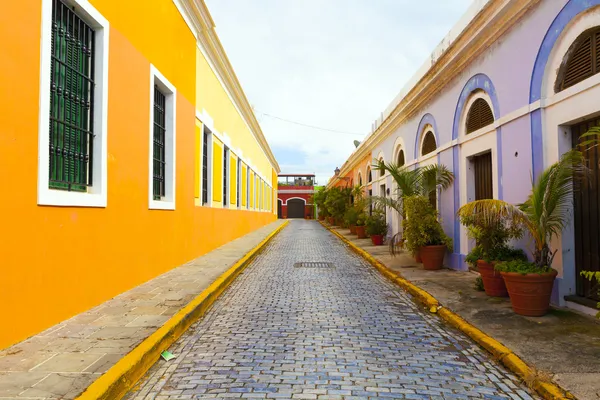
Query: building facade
point(510, 89)
point(131, 147)
point(294, 196)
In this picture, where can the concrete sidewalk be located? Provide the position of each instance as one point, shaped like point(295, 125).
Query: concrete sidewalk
point(65, 359)
point(563, 344)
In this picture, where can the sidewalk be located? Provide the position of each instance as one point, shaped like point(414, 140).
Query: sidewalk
point(563, 343)
point(65, 359)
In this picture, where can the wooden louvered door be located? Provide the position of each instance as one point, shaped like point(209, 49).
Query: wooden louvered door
point(587, 215)
point(482, 168)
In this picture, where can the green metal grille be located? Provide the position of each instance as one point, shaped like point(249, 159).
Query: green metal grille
point(71, 101)
point(159, 162)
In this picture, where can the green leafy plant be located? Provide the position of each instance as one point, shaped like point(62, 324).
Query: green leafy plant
point(421, 227)
point(593, 276)
point(337, 202)
point(522, 267)
point(543, 215)
point(351, 216)
point(376, 224)
point(478, 285)
point(409, 182)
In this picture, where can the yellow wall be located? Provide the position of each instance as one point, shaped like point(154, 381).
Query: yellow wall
point(60, 261)
point(213, 101)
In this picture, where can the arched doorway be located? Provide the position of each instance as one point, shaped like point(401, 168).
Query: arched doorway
point(279, 206)
point(295, 208)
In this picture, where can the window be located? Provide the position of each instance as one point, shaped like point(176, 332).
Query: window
point(381, 171)
point(581, 61)
point(369, 176)
point(429, 145)
point(401, 161)
point(205, 164)
point(480, 115)
point(359, 179)
point(158, 155)
point(72, 167)
point(225, 174)
point(162, 142)
point(238, 182)
point(382, 191)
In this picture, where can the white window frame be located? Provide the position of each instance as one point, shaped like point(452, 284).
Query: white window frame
point(96, 195)
point(168, 202)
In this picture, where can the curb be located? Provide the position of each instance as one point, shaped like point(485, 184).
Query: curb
point(122, 376)
point(545, 388)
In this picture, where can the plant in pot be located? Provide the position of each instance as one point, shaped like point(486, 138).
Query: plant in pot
point(410, 181)
point(337, 202)
point(424, 233)
point(351, 217)
point(376, 227)
point(543, 216)
point(491, 236)
point(360, 226)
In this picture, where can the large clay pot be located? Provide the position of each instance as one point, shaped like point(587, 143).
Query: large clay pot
point(361, 232)
point(353, 229)
point(493, 283)
point(417, 256)
point(377, 240)
point(321, 218)
point(530, 293)
point(433, 256)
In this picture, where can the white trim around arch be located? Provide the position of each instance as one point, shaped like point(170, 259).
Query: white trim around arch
point(292, 198)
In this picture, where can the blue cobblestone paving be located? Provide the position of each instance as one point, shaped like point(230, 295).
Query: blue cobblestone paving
point(344, 332)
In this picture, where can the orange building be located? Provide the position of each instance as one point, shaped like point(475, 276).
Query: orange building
point(130, 149)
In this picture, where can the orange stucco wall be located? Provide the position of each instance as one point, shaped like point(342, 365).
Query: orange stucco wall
point(56, 262)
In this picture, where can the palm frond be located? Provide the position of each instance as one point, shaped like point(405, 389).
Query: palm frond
point(435, 176)
point(590, 139)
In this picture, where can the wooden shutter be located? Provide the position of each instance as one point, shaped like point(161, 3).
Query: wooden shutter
point(582, 60)
point(480, 115)
point(429, 144)
point(482, 166)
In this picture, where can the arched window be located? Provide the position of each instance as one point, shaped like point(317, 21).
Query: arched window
point(359, 179)
point(581, 61)
point(369, 176)
point(381, 171)
point(480, 115)
point(429, 144)
point(401, 160)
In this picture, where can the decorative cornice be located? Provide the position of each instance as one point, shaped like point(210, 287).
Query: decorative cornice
point(198, 18)
point(493, 20)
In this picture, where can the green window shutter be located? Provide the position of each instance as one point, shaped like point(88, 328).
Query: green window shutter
point(71, 101)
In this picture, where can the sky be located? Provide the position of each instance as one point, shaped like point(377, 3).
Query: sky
point(332, 64)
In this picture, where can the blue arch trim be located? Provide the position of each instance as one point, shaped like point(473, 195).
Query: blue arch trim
point(426, 119)
point(479, 81)
point(568, 12)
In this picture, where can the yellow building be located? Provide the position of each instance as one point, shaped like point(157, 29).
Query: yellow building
point(130, 149)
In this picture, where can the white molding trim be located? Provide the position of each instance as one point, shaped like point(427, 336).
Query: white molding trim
point(170, 92)
point(97, 194)
point(294, 198)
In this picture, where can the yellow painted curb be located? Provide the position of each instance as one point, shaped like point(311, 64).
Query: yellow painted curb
point(545, 388)
point(127, 371)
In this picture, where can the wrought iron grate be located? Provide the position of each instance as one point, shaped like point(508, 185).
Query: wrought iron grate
point(314, 264)
point(71, 100)
point(159, 161)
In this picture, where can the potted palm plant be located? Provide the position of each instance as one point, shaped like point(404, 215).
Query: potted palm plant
point(543, 216)
point(409, 181)
point(351, 217)
point(360, 226)
point(491, 236)
point(376, 227)
point(424, 233)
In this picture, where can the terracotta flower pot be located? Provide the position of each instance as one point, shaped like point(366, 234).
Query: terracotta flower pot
point(493, 283)
point(321, 217)
point(377, 240)
point(353, 229)
point(433, 256)
point(361, 232)
point(417, 256)
point(331, 220)
point(530, 293)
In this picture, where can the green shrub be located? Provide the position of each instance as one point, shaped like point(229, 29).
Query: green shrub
point(376, 224)
point(521, 267)
point(421, 227)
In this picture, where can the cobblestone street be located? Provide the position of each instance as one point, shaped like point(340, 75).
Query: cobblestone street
point(325, 331)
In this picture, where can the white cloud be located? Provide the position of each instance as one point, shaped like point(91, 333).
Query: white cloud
point(330, 63)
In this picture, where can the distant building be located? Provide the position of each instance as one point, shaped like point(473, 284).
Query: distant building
point(294, 195)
